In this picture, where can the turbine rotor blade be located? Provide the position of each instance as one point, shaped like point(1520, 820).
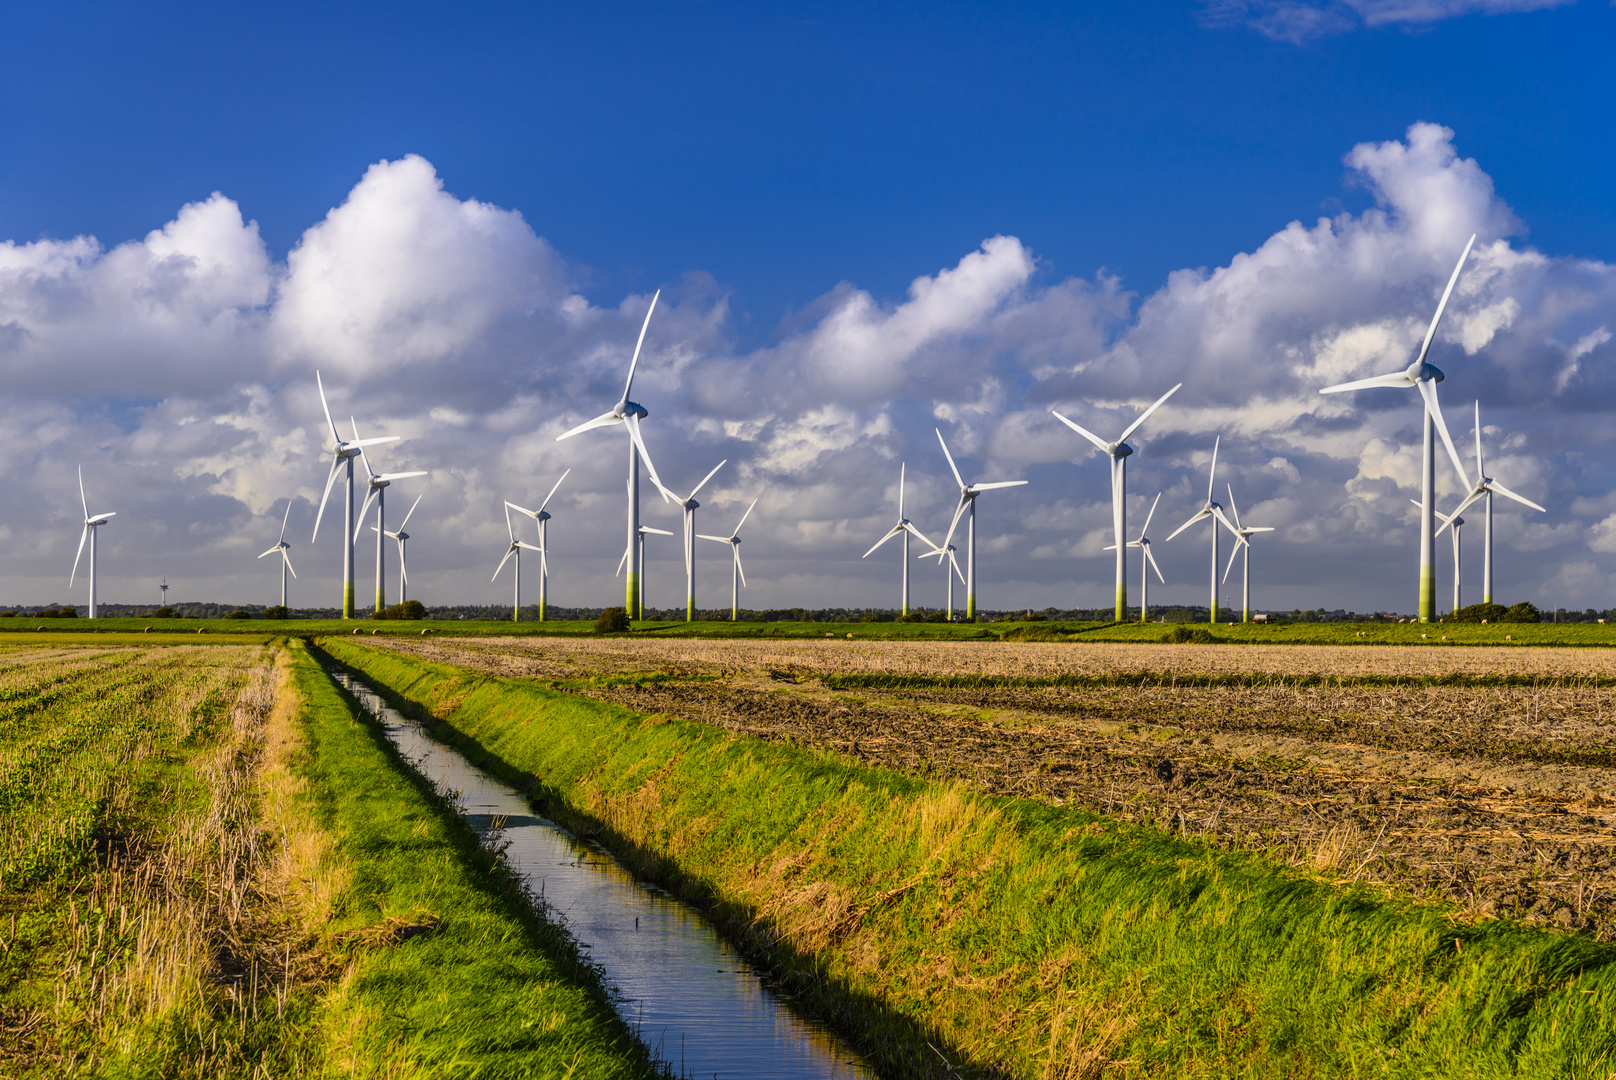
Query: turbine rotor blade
point(600, 421)
point(922, 536)
point(411, 510)
point(1230, 568)
point(997, 484)
point(82, 500)
point(1105, 447)
point(1202, 513)
point(508, 553)
point(1397, 378)
point(553, 490)
point(522, 510)
point(634, 363)
point(1212, 474)
point(1508, 494)
point(273, 550)
point(1481, 469)
point(739, 569)
point(1131, 428)
point(83, 536)
point(1233, 509)
point(288, 559)
point(633, 423)
point(1153, 565)
point(1428, 392)
point(894, 531)
point(951, 466)
point(336, 463)
point(370, 497)
point(706, 478)
point(715, 539)
point(746, 515)
point(284, 518)
point(1430, 333)
point(954, 523)
point(1150, 515)
point(399, 475)
point(336, 438)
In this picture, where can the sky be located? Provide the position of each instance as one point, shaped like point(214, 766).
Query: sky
point(866, 223)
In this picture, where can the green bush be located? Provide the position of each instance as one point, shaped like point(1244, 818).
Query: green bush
point(409, 609)
point(1521, 612)
point(1183, 633)
point(870, 617)
point(240, 613)
point(1478, 613)
point(278, 611)
point(164, 612)
point(614, 620)
point(8, 614)
point(913, 616)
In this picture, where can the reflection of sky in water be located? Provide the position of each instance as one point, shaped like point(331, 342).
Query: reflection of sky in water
point(693, 999)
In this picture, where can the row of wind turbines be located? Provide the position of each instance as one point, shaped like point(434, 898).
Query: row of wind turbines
point(628, 414)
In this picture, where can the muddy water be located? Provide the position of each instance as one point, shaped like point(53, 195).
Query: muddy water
point(691, 998)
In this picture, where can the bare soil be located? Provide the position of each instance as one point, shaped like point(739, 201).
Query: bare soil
point(1502, 799)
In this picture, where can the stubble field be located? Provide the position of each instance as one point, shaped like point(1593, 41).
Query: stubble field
point(1482, 775)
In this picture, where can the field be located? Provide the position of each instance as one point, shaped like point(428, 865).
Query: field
point(209, 866)
point(1485, 776)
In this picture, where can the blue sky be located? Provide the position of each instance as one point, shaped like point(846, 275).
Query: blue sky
point(770, 165)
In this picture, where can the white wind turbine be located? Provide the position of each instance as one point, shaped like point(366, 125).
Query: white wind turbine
point(737, 576)
point(967, 506)
point(952, 571)
point(283, 547)
point(1242, 540)
point(629, 414)
point(516, 548)
point(376, 489)
point(1424, 377)
point(1485, 487)
point(1146, 564)
point(92, 522)
point(402, 538)
point(904, 528)
point(690, 506)
point(1456, 523)
point(640, 561)
point(1214, 511)
point(1119, 452)
point(541, 517)
point(343, 452)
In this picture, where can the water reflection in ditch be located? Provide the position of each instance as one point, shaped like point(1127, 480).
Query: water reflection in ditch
point(691, 997)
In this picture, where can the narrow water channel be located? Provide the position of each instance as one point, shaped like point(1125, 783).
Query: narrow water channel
point(691, 997)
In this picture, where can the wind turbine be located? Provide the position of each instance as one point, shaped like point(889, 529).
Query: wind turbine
point(1243, 535)
point(281, 546)
point(163, 590)
point(1485, 487)
point(541, 517)
point(516, 548)
point(903, 528)
point(403, 539)
point(1211, 510)
point(1119, 452)
point(1424, 377)
point(1456, 522)
point(737, 576)
point(640, 561)
point(690, 505)
point(343, 453)
point(376, 489)
point(947, 550)
point(967, 506)
point(92, 522)
point(1146, 564)
point(629, 414)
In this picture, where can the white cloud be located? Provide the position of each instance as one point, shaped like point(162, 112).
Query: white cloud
point(1297, 21)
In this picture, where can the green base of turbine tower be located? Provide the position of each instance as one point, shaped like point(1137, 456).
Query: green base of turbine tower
point(690, 609)
point(1245, 615)
point(970, 607)
point(1427, 594)
point(1122, 605)
point(347, 601)
point(541, 610)
point(631, 595)
point(381, 601)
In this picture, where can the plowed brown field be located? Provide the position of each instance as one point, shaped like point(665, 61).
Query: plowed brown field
point(1502, 798)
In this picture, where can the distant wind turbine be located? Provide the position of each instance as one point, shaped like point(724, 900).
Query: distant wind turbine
point(904, 528)
point(1147, 563)
point(639, 548)
point(283, 547)
point(342, 454)
point(690, 506)
point(377, 489)
point(629, 414)
point(1119, 452)
point(1485, 487)
point(541, 517)
point(737, 576)
point(402, 538)
point(967, 506)
point(516, 549)
point(1214, 511)
point(950, 572)
point(1424, 377)
point(92, 522)
point(1242, 541)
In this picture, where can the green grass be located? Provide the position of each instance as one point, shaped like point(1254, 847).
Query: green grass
point(1033, 939)
point(1374, 633)
point(491, 991)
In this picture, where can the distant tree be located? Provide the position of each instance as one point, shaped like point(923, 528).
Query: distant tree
point(240, 613)
point(1477, 613)
point(1522, 612)
point(409, 609)
point(278, 611)
point(164, 612)
point(613, 620)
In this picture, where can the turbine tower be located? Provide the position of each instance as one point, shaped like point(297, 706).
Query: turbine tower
point(1424, 377)
point(283, 547)
point(516, 548)
point(1119, 452)
point(342, 457)
point(640, 560)
point(376, 489)
point(629, 414)
point(690, 506)
point(1243, 535)
point(1485, 487)
point(92, 522)
point(967, 506)
point(737, 576)
point(1146, 564)
point(903, 528)
point(163, 592)
point(541, 517)
point(1214, 511)
point(947, 551)
point(1454, 523)
point(402, 538)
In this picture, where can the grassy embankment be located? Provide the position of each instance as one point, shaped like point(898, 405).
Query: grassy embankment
point(1043, 941)
point(209, 869)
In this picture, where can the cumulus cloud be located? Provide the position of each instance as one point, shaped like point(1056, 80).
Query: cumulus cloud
point(179, 368)
point(1297, 21)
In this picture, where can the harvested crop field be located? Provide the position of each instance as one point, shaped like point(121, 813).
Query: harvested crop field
point(1342, 760)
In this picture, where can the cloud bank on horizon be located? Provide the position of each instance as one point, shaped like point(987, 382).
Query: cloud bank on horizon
point(1297, 21)
point(179, 369)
